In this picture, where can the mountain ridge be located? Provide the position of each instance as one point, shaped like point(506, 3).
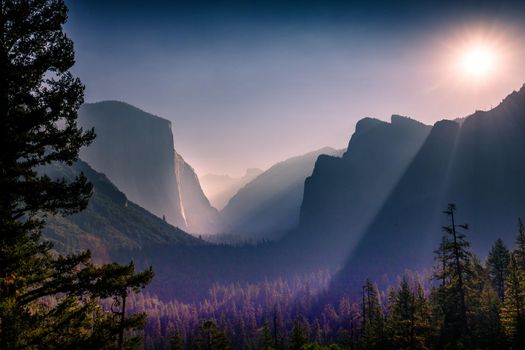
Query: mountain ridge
point(474, 163)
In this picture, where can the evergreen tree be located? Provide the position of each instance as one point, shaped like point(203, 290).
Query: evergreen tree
point(300, 333)
point(278, 324)
point(372, 318)
point(484, 304)
point(497, 264)
point(177, 341)
point(513, 310)
point(47, 300)
point(520, 245)
point(266, 339)
point(409, 322)
point(211, 337)
point(454, 259)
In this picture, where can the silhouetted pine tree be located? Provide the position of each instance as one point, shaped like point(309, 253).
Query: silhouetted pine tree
point(454, 267)
point(47, 300)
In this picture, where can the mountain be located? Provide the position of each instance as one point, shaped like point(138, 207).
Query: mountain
point(344, 193)
point(110, 222)
point(198, 213)
point(135, 150)
point(221, 188)
point(269, 205)
point(476, 164)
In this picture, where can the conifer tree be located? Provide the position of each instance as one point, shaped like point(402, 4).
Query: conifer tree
point(409, 322)
point(513, 310)
point(266, 340)
point(47, 300)
point(177, 341)
point(454, 258)
point(299, 336)
point(211, 337)
point(520, 245)
point(484, 304)
point(497, 264)
point(372, 318)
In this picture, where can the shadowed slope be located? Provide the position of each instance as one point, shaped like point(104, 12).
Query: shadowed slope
point(270, 204)
point(110, 222)
point(343, 195)
point(476, 165)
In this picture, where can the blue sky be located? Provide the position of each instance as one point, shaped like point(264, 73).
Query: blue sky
point(250, 83)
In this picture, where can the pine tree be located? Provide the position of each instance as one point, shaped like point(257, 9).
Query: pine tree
point(497, 264)
point(484, 304)
point(454, 260)
point(299, 336)
point(409, 321)
point(520, 245)
point(47, 300)
point(513, 310)
point(211, 337)
point(177, 341)
point(265, 336)
point(372, 326)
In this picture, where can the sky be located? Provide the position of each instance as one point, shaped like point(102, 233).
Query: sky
point(250, 83)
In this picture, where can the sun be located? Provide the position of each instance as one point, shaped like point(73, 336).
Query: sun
point(478, 61)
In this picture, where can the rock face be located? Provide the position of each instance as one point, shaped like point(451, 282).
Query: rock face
point(197, 211)
point(221, 188)
point(476, 164)
point(343, 194)
point(135, 150)
point(269, 205)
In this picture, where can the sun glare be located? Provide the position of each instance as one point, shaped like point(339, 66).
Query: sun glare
point(478, 61)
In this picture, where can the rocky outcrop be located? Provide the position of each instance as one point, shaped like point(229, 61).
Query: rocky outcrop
point(135, 150)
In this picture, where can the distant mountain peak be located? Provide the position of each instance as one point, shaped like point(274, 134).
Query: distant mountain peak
point(401, 120)
point(367, 123)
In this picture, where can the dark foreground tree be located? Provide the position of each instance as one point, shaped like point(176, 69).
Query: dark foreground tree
point(47, 300)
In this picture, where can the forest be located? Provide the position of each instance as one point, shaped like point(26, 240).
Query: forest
point(464, 303)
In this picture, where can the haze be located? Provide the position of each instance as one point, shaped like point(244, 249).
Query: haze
point(251, 85)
